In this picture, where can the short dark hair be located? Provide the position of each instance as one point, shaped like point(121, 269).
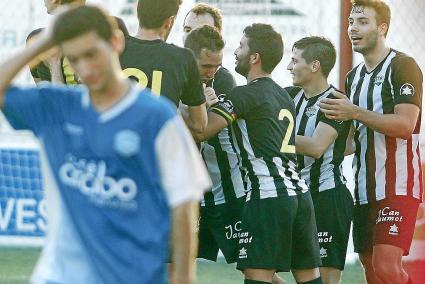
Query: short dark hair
point(153, 13)
point(202, 8)
point(382, 10)
point(81, 20)
point(265, 41)
point(317, 48)
point(204, 37)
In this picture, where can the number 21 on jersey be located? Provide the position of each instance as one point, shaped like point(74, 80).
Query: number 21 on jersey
point(286, 147)
point(143, 80)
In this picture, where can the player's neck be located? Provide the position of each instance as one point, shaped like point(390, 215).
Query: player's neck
point(116, 89)
point(375, 56)
point(253, 74)
point(315, 87)
point(150, 34)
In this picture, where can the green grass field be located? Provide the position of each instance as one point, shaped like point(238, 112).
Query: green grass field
point(16, 266)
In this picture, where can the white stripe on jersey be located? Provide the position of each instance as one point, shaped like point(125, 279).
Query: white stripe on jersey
point(416, 167)
point(400, 165)
point(289, 185)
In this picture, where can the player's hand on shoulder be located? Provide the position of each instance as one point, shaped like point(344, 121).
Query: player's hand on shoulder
point(338, 108)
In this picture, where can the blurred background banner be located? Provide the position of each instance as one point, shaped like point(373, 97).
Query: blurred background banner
point(292, 18)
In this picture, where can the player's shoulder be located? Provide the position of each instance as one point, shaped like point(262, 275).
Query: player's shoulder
point(293, 91)
point(224, 74)
point(401, 58)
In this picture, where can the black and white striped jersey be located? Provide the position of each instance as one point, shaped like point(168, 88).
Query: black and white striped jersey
point(385, 166)
point(326, 172)
point(265, 134)
point(220, 156)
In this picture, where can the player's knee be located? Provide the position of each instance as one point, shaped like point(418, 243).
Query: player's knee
point(387, 272)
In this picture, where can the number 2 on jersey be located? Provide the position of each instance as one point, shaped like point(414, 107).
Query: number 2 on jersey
point(286, 147)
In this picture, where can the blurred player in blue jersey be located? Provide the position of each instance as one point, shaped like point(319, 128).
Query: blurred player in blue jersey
point(124, 163)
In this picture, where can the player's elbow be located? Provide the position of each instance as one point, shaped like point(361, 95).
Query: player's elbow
point(404, 131)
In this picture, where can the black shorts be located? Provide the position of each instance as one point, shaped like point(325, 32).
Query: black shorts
point(390, 221)
point(334, 212)
point(279, 233)
point(219, 228)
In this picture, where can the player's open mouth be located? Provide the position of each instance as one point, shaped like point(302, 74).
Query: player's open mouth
point(355, 39)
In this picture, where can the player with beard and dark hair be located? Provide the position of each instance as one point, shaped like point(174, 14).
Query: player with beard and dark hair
point(56, 68)
point(278, 231)
point(385, 100)
point(168, 70)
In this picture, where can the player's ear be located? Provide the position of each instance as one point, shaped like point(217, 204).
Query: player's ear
point(315, 66)
point(169, 22)
point(117, 41)
point(255, 58)
point(383, 29)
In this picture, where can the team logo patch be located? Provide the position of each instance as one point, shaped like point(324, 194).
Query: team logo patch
point(311, 111)
point(407, 89)
point(393, 230)
point(243, 253)
point(127, 142)
point(379, 80)
point(323, 252)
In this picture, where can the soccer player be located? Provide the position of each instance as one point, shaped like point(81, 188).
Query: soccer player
point(385, 94)
point(221, 208)
point(278, 230)
point(204, 14)
point(320, 143)
point(56, 68)
point(169, 70)
point(123, 161)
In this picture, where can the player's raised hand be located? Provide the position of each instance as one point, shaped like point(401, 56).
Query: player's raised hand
point(210, 96)
point(340, 108)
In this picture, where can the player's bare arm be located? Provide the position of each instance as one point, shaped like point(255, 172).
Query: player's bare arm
point(401, 124)
point(324, 135)
point(196, 118)
point(184, 242)
point(216, 123)
point(350, 147)
point(10, 68)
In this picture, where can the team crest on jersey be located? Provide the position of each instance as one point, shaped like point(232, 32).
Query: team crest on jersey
point(323, 252)
point(407, 89)
point(378, 80)
point(393, 230)
point(127, 142)
point(311, 111)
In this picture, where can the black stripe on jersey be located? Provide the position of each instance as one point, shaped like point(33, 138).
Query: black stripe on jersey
point(391, 142)
point(356, 99)
point(224, 167)
point(255, 183)
point(209, 198)
point(370, 150)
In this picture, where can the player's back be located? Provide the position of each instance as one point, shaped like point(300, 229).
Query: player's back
point(266, 123)
point(167, 69)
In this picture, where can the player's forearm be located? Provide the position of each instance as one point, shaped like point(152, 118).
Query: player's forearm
point(392, 125)
point(197, 118)
point(307, 146)
point(10, 68)
point(56, 71)
point(184, 242)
